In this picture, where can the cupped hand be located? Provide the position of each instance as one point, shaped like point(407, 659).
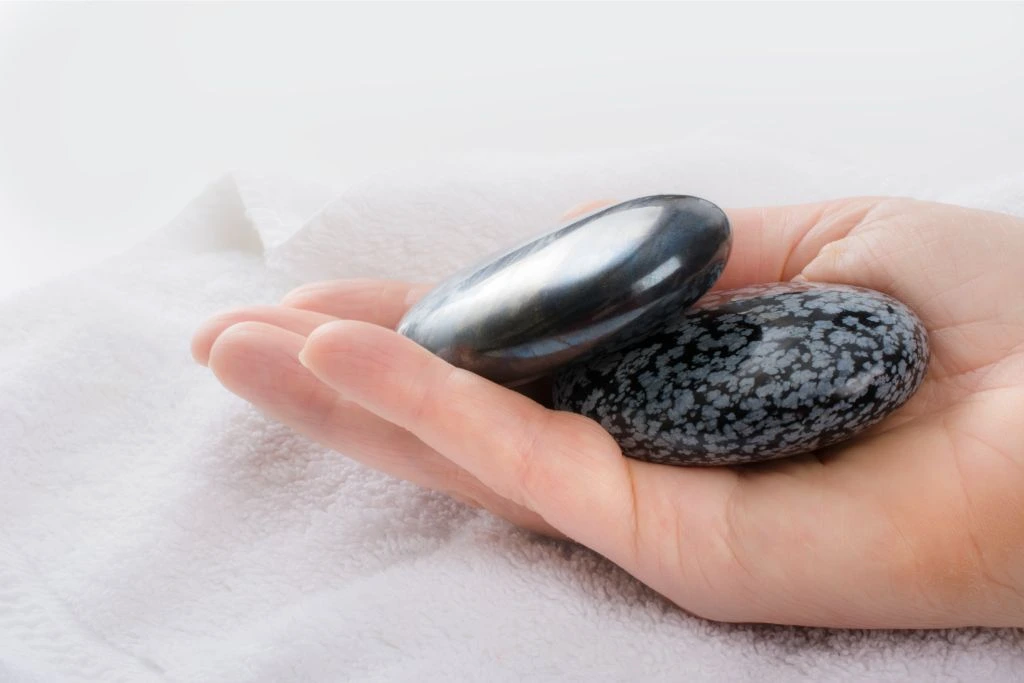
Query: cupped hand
point(919, 523)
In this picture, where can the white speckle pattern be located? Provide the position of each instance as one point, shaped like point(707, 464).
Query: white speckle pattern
point(754, 374)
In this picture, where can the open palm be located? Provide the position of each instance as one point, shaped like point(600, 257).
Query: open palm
point(919, 523)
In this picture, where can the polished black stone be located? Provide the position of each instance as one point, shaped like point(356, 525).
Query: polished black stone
point(600, 281)
point(754, 374)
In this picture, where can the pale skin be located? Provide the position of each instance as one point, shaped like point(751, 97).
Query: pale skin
point(917, 524)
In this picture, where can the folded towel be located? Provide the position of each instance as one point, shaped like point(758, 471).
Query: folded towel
point(153, 527)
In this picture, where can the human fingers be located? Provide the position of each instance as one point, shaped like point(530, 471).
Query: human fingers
point(381, 302)
point(258, 362)
point(562, 466)
point(300, 322)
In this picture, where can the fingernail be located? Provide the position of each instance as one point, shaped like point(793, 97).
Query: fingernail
point(304, 359)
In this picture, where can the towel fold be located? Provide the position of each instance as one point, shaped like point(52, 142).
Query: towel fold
point(153, 527)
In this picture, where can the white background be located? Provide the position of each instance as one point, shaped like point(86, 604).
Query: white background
point(113, 116)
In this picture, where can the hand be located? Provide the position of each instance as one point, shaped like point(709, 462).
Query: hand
point(919, 523)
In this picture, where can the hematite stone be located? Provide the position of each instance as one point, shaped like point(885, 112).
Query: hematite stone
point(600, 281)
point(754, 374)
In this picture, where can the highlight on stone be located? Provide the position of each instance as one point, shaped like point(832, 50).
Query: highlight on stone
point(603, 305)
point(596, 283)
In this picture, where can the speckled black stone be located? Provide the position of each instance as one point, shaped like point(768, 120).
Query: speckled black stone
point(754, 374)
point(599, 281)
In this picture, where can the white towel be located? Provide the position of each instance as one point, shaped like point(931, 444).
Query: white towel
point(153, 527)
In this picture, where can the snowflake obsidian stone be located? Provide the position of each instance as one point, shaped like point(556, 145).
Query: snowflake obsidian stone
point(754, 374)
